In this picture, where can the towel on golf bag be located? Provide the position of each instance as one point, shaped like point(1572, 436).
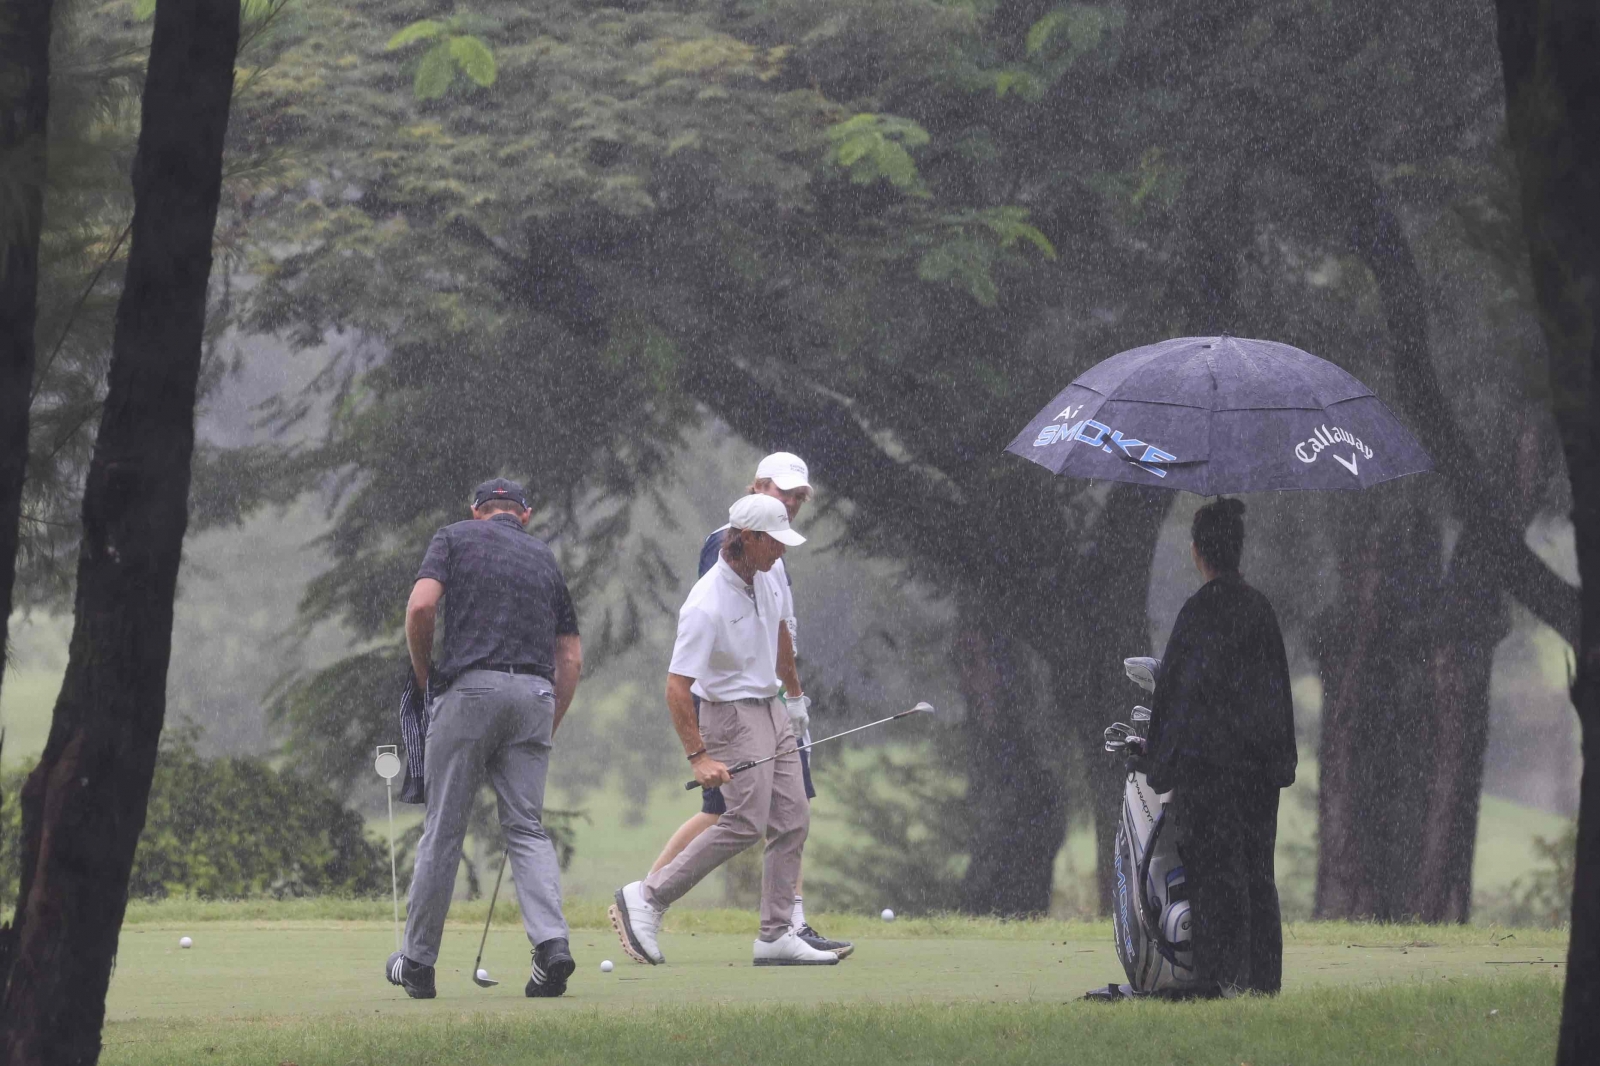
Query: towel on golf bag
point(414, 731)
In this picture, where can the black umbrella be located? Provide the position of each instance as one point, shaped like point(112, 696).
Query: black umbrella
point(1216, 415)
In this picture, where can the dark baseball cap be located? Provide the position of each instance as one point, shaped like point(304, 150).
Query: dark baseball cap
point(499, 489)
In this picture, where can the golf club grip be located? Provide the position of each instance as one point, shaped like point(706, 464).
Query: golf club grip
point(690, 785)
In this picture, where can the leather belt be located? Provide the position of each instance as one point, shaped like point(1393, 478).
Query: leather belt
point(514, 668)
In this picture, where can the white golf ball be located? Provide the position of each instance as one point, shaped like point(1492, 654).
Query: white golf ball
point(185, 942)
point(888, 915)
point(606, 967)
point(483, 975)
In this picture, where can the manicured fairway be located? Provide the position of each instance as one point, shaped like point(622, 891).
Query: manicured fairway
point(306, 968)
point(307, 989)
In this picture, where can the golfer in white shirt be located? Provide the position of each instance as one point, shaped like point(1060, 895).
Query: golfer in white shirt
point(731, 637)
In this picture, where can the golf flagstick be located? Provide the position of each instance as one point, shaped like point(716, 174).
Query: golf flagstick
point(921, 708)
point(388, 766)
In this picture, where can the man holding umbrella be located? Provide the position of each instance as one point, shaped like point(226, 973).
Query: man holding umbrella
point(1216, 415)
point(1221, 740)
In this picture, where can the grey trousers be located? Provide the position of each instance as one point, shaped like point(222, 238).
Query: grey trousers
point(497, 725)
point(765, 802)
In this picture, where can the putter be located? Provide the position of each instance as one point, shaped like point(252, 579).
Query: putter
point(477, 963)
point(388, 766)
point(921, 708)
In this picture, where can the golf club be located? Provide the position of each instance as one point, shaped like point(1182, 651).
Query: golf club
point(477, 963)
point(387, 764)
point(921, 708)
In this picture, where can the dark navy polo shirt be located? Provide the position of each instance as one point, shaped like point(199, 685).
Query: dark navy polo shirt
point(505, 600)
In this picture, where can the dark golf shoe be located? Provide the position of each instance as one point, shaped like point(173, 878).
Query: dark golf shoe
point(415, 978)
point(841, 948)
point(552, 965)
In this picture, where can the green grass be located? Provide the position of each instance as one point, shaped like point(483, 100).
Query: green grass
point(1463, 1023)
point(301, 983)
point(590, 914)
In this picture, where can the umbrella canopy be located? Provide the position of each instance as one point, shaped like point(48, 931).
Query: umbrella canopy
point(1216, 415)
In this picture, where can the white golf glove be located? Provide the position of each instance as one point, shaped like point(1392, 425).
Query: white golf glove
point(799, 708)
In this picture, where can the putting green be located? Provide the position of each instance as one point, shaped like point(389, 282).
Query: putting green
point(239, 968)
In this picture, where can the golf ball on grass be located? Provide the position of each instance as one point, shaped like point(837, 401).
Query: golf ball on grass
point(888, 915)
point(185, 942)
point(606, 967)
point(483, 975)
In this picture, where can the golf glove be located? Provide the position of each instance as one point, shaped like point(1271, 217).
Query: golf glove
point(799, 708)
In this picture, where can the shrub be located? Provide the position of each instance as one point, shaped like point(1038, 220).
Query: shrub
point(229, 828)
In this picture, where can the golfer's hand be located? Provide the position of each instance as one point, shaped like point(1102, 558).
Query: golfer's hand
point(710, 773)
point(799, 708)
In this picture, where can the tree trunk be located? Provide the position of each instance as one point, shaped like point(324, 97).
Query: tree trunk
point(83, 807)
point(1412, 858)
point(1550, 51)
point(1112, 590)
point(1372, 646)
point(24, 109)
point(1019, 811)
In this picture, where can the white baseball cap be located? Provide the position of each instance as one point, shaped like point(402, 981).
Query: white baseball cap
point(786, 469)
point(764, 514)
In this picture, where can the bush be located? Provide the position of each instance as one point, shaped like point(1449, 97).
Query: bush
point(229, 828)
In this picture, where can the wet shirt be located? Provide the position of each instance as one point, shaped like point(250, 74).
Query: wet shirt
point(505, 601)
point(1222, 704)
point(728, 634)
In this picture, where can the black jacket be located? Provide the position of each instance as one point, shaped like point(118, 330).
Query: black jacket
point(1222, 705)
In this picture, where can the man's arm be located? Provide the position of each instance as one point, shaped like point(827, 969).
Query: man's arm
point(421, 610)
point(680, 701)
point(569, 669)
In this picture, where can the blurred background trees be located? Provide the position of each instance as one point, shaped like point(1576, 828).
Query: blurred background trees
point(618, 251)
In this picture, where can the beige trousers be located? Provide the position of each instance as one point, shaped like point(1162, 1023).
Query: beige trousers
point(765, 802)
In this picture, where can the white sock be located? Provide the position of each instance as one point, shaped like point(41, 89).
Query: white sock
point(797, 917)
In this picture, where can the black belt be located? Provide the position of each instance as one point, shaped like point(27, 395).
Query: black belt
point(515, 668)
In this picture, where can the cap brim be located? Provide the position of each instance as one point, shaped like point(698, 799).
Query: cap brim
point(786, 536)
point(790, 482)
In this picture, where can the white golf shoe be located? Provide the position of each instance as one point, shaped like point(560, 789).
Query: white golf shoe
point(637, 924)
point(790, 950)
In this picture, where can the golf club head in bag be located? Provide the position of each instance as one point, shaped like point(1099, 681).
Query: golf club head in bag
point(1150, 915)
point(1143, 671)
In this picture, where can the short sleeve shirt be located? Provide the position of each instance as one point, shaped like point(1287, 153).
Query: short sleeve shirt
point(728, 634)
point(505, 600)
point(711, 551)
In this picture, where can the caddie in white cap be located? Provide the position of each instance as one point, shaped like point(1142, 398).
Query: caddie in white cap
point(785, 477)
point(732, 646)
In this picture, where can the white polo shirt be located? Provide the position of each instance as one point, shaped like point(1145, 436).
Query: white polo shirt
point(728, 635)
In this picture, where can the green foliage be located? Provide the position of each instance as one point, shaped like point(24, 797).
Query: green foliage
point(969, 244)
point(878, 148)
point(910, 825)
point(456, 51)
point(1543, 896)
point(230, 828)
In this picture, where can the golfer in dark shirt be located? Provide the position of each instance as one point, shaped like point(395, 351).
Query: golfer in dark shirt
point(509, 665)
point(1222, 741)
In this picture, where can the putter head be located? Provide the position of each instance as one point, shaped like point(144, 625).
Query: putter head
point(482, 982)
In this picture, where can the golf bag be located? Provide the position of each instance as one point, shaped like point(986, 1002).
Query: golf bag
point(1150, 913)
